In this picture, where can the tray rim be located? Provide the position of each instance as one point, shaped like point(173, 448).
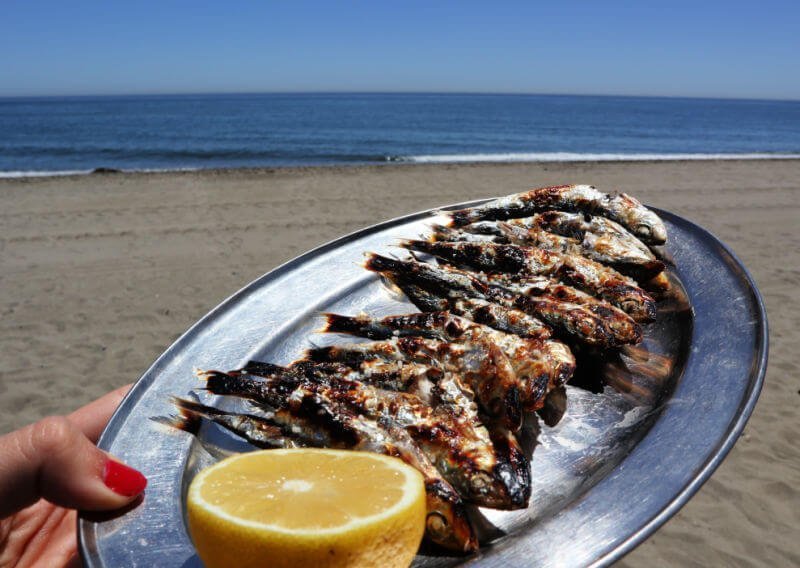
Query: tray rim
point(715, 458)
point(743, 413)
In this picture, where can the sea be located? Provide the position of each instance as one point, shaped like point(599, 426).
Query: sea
point(66, 135)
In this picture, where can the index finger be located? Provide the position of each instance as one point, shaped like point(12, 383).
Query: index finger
point(92, 418)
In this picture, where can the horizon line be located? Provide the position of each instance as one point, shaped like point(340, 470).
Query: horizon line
point(389, 92)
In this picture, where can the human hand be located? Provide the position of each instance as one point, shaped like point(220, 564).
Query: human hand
point(50, 469)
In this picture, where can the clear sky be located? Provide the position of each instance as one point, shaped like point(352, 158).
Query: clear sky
point(673, 48)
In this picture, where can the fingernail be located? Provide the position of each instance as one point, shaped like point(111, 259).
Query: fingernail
point(123, 479)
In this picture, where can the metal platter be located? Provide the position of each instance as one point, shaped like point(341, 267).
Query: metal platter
point(633, 446)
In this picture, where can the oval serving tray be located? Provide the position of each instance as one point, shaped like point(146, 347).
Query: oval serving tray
point(628, 453)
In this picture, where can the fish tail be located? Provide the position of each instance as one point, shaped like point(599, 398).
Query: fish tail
point(513, 467)
point(461, 218)
point(418, 245)
point(336, 323)
point(322, 354)
point(191, 414)
point(378, 263)
point(225, 384)
point(442, 233)
point(258, 430)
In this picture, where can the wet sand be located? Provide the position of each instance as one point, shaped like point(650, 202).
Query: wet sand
point(100, 273)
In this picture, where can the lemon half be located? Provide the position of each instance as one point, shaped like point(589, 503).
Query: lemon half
point(307, 507)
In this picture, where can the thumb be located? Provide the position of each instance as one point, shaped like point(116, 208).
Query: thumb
point(54, 460)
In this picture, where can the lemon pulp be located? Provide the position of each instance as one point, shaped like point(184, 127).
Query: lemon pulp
point(307, 507)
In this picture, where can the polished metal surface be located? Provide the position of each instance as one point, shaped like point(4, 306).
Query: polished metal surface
point(623, 459)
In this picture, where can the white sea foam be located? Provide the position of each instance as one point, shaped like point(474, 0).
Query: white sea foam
point(579, 157)
point(48, 173)
point(23, 174)
point(468, 158)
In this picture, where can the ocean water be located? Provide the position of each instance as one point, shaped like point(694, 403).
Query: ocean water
point(78, 134)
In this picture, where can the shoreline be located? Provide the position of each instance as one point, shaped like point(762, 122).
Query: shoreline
point(389, 163)
point(99, 274)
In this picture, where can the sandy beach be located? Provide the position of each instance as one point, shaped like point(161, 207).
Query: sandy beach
point(100, 273)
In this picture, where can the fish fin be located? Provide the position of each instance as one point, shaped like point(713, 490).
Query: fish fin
point(178, 423)
point(416, 244)
point(319, 355)
point(460, 218)
point(378, 263)
point(190, 415)
point(337, 323)
point(438, 233)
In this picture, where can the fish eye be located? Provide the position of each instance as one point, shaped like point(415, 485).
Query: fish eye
point(644, 230)
point(437, 524)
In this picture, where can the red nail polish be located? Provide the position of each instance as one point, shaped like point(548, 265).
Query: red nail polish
point(123, 479)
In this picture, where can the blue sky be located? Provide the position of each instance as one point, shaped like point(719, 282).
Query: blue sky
point(672, 48)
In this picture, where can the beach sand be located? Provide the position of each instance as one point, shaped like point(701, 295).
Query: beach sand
point(100, 273)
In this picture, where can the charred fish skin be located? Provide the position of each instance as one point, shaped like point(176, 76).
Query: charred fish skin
point(623, 326)
point(574, 321)
point(491, 314)
point(534, 237)
point(478, 233)
point(442, 325)
point(465, 456)
point(484, 367)
point(437, 325)
point(582, 272)
point(564, 223)
point(449, 284)
point(447, 437)
point(450, 234)
point(449, 391)
point(507, 320)
point(621, 208)
point(603, 249)
point(610, 285)
point(446, 524)
point(507, 207)
point(539, 366)
point(432, 385)
point(400, 376)
point(607, 250)
point(579, 226)
point(489, 256)
point(569, 320)
point(258, 430)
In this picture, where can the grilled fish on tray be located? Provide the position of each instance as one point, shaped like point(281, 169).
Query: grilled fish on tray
point(621, 208)
point(508, 291)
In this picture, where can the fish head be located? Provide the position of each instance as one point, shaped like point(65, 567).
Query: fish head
point(506, 485)
point(644, 223)
point(491, 373)
point(534, 376)
point(446, 522)
point(638, 305)
point(510, 479)
point(651, 231)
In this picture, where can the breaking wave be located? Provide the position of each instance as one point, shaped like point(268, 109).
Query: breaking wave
point(579, 157)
